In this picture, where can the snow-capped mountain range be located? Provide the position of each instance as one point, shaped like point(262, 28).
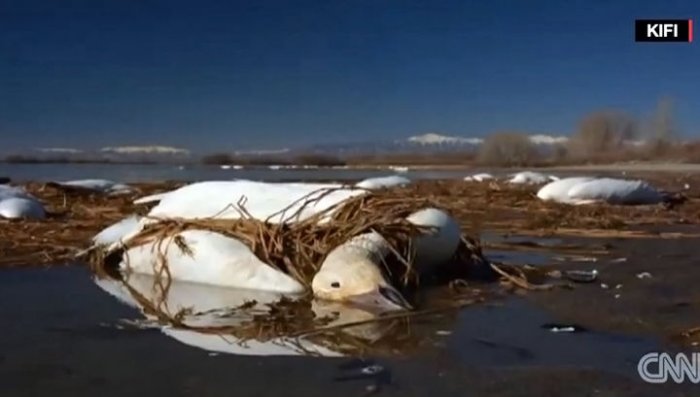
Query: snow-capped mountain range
point(425, 143)
point(432, 138)
point(419, 144)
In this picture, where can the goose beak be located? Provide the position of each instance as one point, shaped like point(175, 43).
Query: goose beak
point(385, 298)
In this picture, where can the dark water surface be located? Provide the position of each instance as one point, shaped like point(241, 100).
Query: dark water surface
point(58, 338)
point(130, 173)
point(159, 172)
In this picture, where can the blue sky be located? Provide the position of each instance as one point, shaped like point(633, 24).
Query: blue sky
point(226, 75)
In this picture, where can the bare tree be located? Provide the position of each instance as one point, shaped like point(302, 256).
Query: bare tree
point(507, 149)
point(662, 129)
point(601, 133)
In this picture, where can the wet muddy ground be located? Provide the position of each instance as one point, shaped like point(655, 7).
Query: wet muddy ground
point(62, 333)
point(63, 340)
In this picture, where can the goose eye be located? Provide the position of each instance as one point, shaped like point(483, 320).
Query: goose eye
point(335, 284)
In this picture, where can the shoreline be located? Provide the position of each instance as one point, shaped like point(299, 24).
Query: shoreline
point(398, 167)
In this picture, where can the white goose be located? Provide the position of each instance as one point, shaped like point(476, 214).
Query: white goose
point(349, 272)
point(16, 203)
point(531, 178)
point(586, 190)
point(480, 177)
point(558, 190)
point(98, 185)
point(383, 181)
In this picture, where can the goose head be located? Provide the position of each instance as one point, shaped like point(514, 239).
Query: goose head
point(357, 281)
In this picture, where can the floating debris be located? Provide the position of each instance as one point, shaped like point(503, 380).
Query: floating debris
point(372, 369)
point(643, 275)
point(581, 276)
point(563, 328)
point(576, 258)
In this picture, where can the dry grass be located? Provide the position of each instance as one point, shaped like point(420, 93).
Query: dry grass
point(76, 217)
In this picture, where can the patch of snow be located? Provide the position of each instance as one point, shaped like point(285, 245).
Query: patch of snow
point(154, 149)
point(436, 139)
point(540, 139)
point(64, 150)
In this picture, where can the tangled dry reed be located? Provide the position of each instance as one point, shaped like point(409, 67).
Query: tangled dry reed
point(298, 248)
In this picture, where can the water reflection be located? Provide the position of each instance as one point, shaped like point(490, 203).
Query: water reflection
point(251, 322)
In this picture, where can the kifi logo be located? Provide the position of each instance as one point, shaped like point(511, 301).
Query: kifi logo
point(664, 30)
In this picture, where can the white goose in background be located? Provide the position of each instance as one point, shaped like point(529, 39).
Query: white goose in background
point(383, 181)
point(212, 306)
point(368, 184)
point(399, 168)
point(98, 185)
point(352, 271)
point(531, 178)
point(481, 177)
point(16, 203)
point(587, 190)
point(558, 190)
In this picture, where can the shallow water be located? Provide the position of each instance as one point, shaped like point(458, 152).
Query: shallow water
point(60, 336)
point(515, 255)
point(521, 258)
point(130, 173)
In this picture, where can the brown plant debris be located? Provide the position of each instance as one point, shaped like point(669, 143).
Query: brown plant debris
point(76, 216)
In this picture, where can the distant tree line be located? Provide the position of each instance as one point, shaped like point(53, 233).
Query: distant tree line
point(601, 136)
